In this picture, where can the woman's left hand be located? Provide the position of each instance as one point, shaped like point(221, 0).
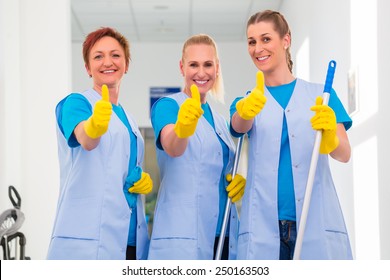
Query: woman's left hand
point(236, 187)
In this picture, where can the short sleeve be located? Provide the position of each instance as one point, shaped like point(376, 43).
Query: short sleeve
point(164, 112)
point(74, 109)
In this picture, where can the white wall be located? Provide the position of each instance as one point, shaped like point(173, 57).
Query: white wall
point(381, 126)
point(355, 34)
point(35, 71)
point(35, 55)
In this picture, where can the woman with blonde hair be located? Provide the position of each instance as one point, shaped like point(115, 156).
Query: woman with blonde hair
point(195, 154)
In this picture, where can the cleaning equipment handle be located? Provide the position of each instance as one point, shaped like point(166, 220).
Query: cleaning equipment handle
point(221, 239)
point(313, 165)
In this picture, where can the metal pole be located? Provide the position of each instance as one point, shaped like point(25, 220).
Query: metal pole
point(228, 202)
point(313, 167)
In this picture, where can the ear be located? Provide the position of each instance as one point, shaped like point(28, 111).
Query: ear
point(181, 67)
point(286, 41)
point(87, 68)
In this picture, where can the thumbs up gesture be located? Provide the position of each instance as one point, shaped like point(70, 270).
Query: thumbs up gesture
point(189, 113)
point(97, 124)
point(253, 103)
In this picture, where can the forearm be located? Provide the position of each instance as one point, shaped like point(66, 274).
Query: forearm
point(85, 141)
point(172, 144)
point(343, 151)
point(240, 125)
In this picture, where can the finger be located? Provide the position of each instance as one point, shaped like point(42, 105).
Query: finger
point(195, 92)
point(236, 187)
point(238, 196)
point(105, 93)
point(139, 188)
point(260, 81)
point(237, 182)
point(319, 100)
point(144, 185)
point(229, 177)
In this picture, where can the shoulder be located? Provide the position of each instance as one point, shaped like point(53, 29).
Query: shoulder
point(165, 103)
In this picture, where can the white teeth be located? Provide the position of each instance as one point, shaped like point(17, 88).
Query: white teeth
point(262, 58)
point(201, 82)
point(108, 71)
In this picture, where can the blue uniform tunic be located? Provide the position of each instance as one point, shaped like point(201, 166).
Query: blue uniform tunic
point(91, 194)
point(187, 210)
point(325, 235)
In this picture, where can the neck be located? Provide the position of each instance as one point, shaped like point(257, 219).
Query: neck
point(273, 79)
point(202, 96)
point(114, 93)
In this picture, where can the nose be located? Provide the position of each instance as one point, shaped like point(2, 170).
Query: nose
point(259, 47)
point(107, 61)
point(202, 71)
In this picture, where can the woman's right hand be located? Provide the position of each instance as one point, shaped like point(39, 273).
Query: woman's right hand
point(251, 105)
point(189, 113)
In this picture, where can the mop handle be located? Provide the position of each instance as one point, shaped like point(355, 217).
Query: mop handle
point(313, 166)
point(221, 239)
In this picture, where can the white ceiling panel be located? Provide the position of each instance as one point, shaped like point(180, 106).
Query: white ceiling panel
point(167, 20)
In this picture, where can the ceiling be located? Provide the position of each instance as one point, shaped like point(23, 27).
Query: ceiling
point(167, 20)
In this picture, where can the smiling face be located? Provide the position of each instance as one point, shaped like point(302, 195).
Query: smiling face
point(106, 63)
point(199, 66)
point(266, 47)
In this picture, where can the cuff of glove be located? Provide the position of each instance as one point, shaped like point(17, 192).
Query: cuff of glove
point(329, 146)
point(91, 130)
point(184, 131)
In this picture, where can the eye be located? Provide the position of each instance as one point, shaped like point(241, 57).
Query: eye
point(193, 64)
point(116, 55)
point(208, 64)
point(97, 57)
point(266, 39)
point(252, 42)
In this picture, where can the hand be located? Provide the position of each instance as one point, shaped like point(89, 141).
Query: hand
point(252, 104)
point(97, 124)
point(325, 120)
point(189, 113)
point(139, 182)
point(236, 187)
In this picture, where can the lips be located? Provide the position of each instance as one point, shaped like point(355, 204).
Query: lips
point(262, 58)
point(108, 71)
point(200, 82)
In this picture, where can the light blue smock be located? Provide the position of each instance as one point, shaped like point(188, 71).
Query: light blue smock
point(92, 220)
point(187, 209)
point(325, 234)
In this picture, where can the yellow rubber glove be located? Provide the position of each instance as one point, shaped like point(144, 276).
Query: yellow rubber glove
point(189, 113)
point(236, 187)
point(325, 120)
point(143, 185)
point(97, 124)
point(253, 103)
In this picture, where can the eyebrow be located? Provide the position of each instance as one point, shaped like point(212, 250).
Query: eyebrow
point(98, 51)
point(195, 61)
point(261, 35)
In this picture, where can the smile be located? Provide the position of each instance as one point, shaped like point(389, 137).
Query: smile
point(262, 58)
point(108, 71)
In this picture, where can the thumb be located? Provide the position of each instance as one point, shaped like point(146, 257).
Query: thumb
point(229, 177)
point(105, 93)
point(260, 81)
point(319, 100)
point(195, 92)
